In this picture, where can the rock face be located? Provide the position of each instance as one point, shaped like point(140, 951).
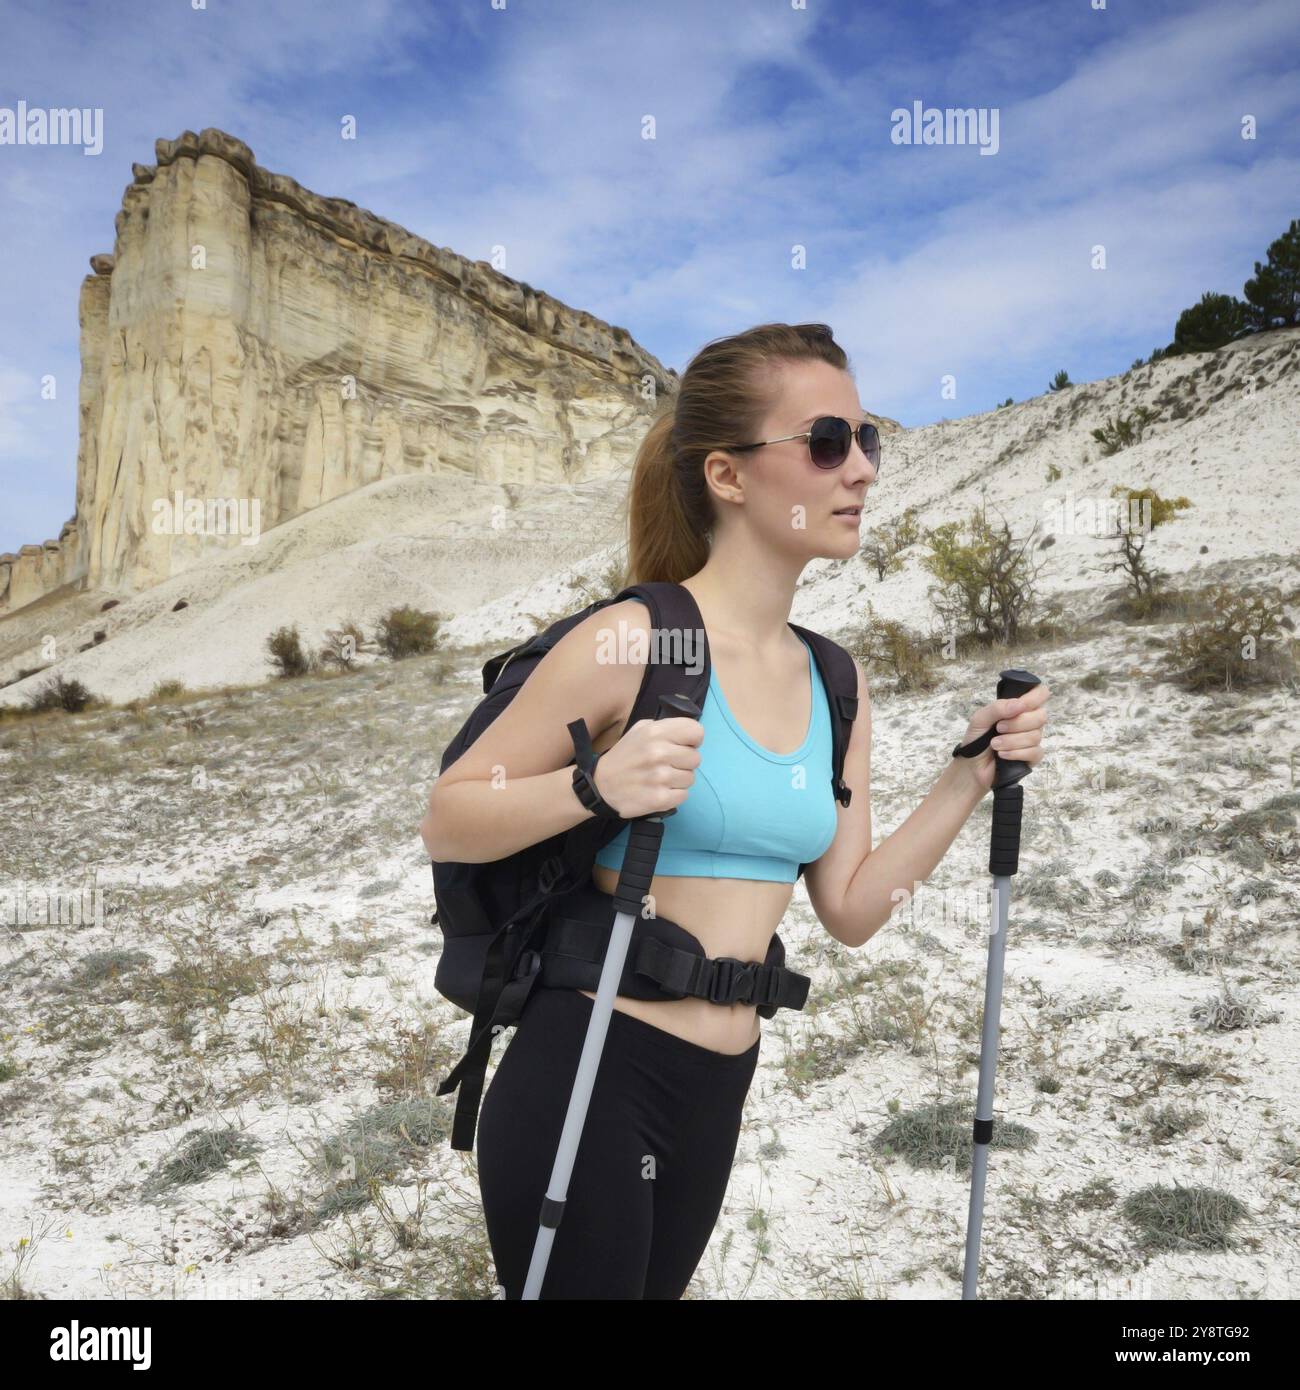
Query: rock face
point(37, 569)
point(250, 341)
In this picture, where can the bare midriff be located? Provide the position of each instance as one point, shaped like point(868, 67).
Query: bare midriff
point(729, 917)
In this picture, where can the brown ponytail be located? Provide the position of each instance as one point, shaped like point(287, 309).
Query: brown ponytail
point(725, 392)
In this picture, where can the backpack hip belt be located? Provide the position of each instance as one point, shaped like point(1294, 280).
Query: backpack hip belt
point(664, 961)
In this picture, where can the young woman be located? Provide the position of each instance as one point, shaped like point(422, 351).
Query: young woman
point(763, 463)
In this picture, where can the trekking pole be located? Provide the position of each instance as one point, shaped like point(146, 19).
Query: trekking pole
point(644, 836)
point(1004, 860)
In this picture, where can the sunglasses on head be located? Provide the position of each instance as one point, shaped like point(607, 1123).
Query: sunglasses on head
point(829, 439)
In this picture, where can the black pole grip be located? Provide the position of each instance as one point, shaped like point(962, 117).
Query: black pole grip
point(1008, 795)
point(645, 833)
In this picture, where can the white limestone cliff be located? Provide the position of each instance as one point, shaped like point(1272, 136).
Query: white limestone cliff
point(251, 339)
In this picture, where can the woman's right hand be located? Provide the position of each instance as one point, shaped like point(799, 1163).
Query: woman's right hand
point(652, 767)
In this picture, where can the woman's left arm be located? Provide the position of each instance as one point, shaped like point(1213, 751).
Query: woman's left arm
point(853, 888)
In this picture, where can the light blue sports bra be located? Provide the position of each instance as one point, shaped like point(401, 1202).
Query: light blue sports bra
point(750, 813)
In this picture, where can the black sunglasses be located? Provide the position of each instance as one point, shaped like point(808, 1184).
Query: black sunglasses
point(829, 440)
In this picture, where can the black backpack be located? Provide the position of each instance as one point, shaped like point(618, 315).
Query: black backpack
point(492, 915)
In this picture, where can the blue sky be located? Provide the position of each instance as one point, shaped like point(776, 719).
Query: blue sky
point(522, 127)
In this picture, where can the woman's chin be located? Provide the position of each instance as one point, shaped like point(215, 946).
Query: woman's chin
point(843, 546)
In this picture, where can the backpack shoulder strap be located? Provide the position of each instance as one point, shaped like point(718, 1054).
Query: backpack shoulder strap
point(679, 658)
point(677, 664)
point(840, 679)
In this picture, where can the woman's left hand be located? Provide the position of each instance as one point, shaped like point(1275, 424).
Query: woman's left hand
point(1017, 738)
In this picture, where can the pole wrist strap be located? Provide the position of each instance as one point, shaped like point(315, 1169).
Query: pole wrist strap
point(584, 781)
point(975, 747)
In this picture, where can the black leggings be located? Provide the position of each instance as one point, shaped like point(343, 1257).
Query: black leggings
point(652, 1164)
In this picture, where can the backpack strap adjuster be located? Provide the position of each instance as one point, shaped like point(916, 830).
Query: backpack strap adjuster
point(550, 872)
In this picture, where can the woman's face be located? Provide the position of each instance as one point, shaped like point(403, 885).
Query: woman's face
point(787, 498)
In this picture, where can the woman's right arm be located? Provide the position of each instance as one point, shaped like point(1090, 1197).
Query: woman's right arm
point(512, 786)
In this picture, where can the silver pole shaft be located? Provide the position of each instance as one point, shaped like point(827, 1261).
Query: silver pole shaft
point(576, 1115)
point(984, 1098)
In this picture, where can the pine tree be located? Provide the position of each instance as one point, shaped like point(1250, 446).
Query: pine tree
point(1216, 320)
point(1274, 293)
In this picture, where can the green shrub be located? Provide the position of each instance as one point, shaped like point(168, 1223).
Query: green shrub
point(883, 548)
point(341, 646)
point(285, 648)
point(884, 644)
point(1124, 430)
point(58, 693)
point(986, 583)
point(1239, 641)
point(408, 631)
point(1149, 510)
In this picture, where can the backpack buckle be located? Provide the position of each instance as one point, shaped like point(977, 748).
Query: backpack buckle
point(550, 873)
point(733, 980)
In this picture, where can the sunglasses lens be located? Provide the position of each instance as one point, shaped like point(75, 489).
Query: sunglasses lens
point(828, 441)
point(869, 443)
